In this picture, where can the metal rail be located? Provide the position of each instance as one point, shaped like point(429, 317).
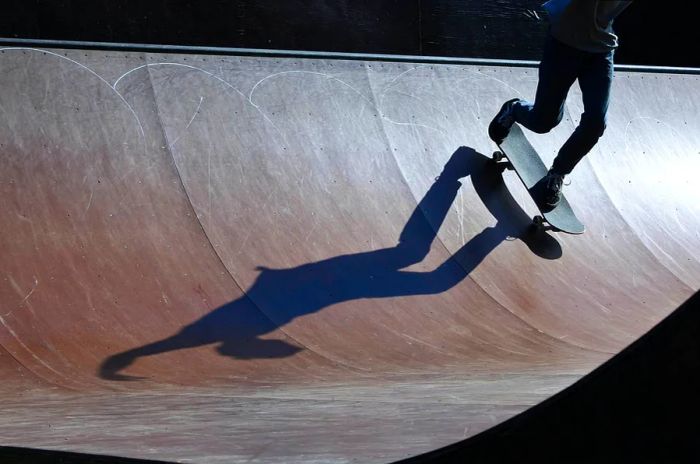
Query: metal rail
point(258, 52)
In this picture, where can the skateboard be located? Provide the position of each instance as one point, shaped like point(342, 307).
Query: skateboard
point(521, 157)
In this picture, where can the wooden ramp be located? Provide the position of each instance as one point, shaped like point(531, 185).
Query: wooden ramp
point(231, 259)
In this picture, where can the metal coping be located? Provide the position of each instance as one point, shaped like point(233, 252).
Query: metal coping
point(268, 53)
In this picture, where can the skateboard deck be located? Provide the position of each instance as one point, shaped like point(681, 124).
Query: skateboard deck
point(525, 161)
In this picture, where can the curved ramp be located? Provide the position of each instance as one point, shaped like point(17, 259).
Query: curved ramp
point(314, 256)
point(640, 405)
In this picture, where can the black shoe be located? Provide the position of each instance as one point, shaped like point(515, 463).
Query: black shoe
point(504, 120)
point(552, 184)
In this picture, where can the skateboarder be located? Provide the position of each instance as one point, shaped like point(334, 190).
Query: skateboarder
point(580, 45)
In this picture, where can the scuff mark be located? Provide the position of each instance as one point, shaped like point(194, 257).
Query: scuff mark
point(196, 112)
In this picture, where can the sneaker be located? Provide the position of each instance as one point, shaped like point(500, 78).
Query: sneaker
point(504, 120)
point(552, 184)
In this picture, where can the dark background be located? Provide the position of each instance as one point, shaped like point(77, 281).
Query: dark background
point(652, 32)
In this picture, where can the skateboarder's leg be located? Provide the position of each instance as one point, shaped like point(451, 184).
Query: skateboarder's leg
point(595, 82)
point(557, 72)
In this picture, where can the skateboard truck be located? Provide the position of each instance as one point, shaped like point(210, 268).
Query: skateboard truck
point(498, 158)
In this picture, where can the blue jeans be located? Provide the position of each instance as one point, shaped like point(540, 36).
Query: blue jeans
point(561, 65)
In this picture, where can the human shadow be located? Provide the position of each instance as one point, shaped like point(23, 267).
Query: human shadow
point(287, 294)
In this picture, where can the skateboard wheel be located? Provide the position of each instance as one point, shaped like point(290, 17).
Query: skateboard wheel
point(538, 220)
point(509, 166)
point(497, 156)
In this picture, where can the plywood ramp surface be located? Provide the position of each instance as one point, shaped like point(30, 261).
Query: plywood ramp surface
point(308, 259)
